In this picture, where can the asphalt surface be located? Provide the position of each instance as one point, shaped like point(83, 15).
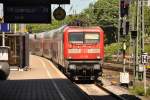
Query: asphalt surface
point(43, 82)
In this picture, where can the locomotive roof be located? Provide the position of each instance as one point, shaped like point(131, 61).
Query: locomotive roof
point(88, 28)
point(57, 31)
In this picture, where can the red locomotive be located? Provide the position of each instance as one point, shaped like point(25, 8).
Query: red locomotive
point(78, 50)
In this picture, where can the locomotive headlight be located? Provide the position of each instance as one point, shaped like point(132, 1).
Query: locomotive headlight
point(74, 50)
point(97, 66)
point(69, 57)
point(98, 57)
point(72, 67)
point(93, 50)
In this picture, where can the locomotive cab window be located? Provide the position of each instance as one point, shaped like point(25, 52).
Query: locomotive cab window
point(76, 37)
point(84, 37)
point(91, 38)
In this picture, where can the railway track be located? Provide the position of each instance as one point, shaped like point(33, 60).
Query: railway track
point(95, 91)
point(108, 91)
point(119, 69)
point(98, 92)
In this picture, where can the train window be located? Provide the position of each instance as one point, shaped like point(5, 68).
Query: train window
point(76, 37)
point(92, 38)
point(80, 37)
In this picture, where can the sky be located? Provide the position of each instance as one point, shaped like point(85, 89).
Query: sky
point(76, 6)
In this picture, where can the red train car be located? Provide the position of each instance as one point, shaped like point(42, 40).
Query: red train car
point(78, 50)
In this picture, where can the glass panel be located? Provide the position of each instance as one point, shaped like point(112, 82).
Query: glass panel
point(14, 44)
point(91, 38)
point(76, 37)
point(80, 37)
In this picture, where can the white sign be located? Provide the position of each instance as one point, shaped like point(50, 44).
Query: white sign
point(124, 78)
point(141, 68)
point(144, 58)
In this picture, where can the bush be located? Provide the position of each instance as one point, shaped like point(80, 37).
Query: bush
point(148, 91)
point(139, 90)
point(108, 58)
point(111, 50)
point(147, 48)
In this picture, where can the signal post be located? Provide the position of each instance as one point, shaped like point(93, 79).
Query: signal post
point(124, 29)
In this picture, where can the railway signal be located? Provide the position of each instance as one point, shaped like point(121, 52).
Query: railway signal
point(124, 8)
point(124, 23)
point(127, 27)
point(133, 34)
point(124, 30)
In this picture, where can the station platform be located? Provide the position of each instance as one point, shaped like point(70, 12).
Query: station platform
point(43, 82)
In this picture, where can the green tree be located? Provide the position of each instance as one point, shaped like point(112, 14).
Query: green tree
point(104, 13)
point(36, 28)
point(147, 20)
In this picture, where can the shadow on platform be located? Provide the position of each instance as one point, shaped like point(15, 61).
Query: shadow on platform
point(42, 89)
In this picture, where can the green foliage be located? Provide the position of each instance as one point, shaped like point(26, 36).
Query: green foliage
point(147, 20)
point(111, 50)
point(139, 90)
point(106, 12)
point(44, 27)
point(55, 24)
point(147, 48)
point(148, 91)
point(13, 27)
point(103, 13)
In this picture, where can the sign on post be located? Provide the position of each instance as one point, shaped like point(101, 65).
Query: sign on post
point(4, 27)
point(144, 58)
point(59, 13)
point(27, 14)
